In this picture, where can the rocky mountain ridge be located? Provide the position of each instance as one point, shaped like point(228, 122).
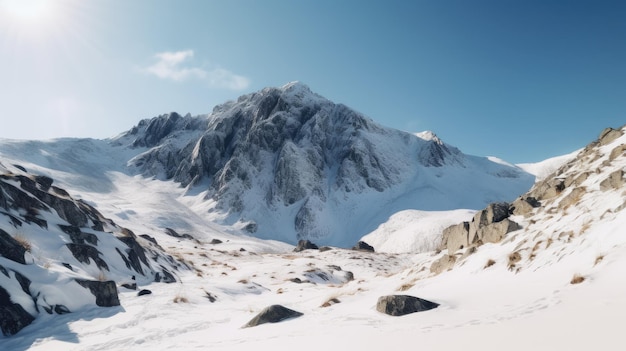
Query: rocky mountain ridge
point(283, 162)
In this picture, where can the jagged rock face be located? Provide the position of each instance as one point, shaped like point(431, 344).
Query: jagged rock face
point(283, 155)
point(72, 240)
point(13, 317)
point(488, 226)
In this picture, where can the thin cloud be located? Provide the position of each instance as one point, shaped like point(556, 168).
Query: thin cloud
point(174, 66)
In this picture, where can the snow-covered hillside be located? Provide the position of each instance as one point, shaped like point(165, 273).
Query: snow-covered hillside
point(556, 283)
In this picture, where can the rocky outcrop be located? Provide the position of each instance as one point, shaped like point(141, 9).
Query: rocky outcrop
point(78, 244)
point(400, 305)
point(363, 246)
point(524, 205)
point(105, 292)
point(273, 314)
point(305, 245)
point(615, 180)
point(11, 248)
point(13, 317)
point(456, 237)
point(487, 226)
point(442, 264)
point(495, 232)
point(609, 135)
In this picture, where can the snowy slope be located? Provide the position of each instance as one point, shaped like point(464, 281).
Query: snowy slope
point(544, 168)
point(492, 299)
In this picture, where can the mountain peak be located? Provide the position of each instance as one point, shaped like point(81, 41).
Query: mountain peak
point(428, 136)
point(295, 85)
point(285, 163)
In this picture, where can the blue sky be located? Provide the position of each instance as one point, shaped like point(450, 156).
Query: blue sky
point(521, 80)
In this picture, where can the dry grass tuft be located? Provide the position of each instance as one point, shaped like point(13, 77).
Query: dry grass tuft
point(598, 259)
point(514, 257)
point(25, 243)
point(577, 279)
point(406, 286)
point(180, 299)
point(102, 277)
point(330, 302)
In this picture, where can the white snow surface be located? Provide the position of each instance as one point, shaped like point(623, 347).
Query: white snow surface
point(544, 168)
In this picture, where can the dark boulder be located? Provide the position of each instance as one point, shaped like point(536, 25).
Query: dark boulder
point(13, 317)
point(11, 248)
point(363, 246)
point(167, 277)
point(273, 314)
point(44, 182)
point(399, 305)
point(171, 232)
point(144, 292)
point(305, 245)
point(105, 292)
point(215, 241)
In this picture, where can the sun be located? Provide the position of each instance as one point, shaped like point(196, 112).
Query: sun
point(26, 9)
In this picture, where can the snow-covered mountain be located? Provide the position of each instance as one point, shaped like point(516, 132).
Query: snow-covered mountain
point(285, 163)
point(554, 283)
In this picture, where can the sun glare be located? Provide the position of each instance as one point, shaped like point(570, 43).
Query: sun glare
point(26, 9)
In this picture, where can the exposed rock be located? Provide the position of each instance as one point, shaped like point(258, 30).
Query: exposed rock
point(617, 152)
point(84, 253)
point(305, 245)
point(105, 292)
point(576, 179)
point(495, 212)
point(44, 182)
point(494, 232)
point(11, 248)
point(215, 242)
point(273, 314)
point(13, 317)
point(400, 305)
point(172, 232)
point(166, 278)
point(61, 309)
point(363, 246)
point(608, 135)
point(614, 181)
point(522, 206)
point(444, 263)
point(149, 238)
point(572, 198)
point(548, 188)
point(455, 237)
point(77, 236)
point(136, 253)
point(144, 292)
